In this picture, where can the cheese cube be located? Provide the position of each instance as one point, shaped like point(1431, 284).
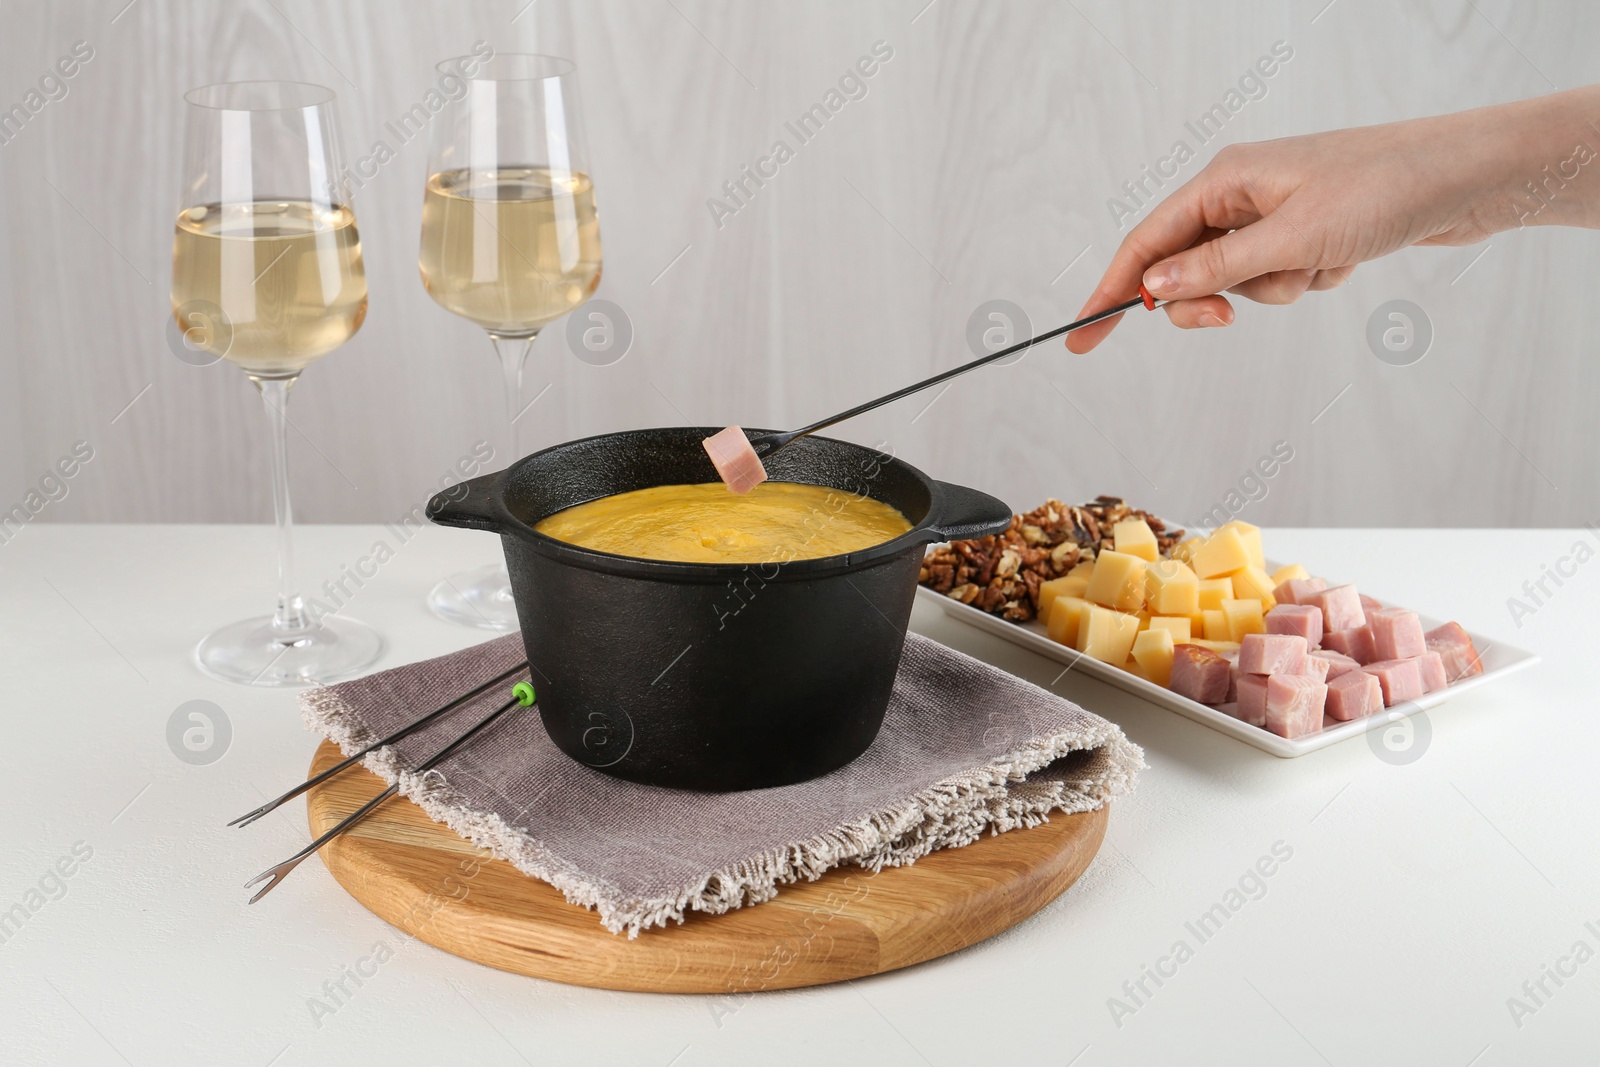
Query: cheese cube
point(1213, 591)
point(1290, 570)
point(1117, 582)
point(1107, 635)
point(1171, 588)
point(1251, 536)
point(1216, 627)
point(1066, 615)
point(1082, 569)
point(1133, 537)
point(1252, 581)
point(1197, 624)
point(1223, 553)
point(1178, 626)
point(1243, 617)
point(1183, 551)
point(1067, 586)
point(1153, 651)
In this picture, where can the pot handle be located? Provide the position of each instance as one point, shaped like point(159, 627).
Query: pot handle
point(477, 504)
point(961, 513)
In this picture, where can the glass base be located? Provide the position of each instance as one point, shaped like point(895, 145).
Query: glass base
point(480, 598)
point(253, 653)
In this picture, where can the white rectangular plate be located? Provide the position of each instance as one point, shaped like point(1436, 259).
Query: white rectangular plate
point(1498, 661)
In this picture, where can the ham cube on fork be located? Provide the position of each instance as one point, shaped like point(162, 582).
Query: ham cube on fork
point(737, 463)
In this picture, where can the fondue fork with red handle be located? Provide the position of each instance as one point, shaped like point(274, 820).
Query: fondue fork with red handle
point(738, 460)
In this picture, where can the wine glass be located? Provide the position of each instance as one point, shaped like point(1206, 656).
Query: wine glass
point(510, 240)
point(267, 274)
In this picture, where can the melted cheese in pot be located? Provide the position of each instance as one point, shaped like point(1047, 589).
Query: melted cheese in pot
point(774, 522)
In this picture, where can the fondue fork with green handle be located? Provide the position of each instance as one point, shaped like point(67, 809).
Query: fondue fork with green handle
point(405, 731)
point(274, 875)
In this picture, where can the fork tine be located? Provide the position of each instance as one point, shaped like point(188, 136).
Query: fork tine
point(405, 731)
point(281, 870)
point(524, 696)
point(273, 875)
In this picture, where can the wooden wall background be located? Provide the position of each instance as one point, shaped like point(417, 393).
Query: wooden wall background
point(977, 167)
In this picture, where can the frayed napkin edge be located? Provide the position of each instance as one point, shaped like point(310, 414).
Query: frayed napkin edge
point(949, 814)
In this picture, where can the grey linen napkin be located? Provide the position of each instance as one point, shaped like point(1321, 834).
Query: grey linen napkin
point(965, 749)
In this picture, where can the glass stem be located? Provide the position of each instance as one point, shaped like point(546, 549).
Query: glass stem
point(290, 617)
point(513, 353)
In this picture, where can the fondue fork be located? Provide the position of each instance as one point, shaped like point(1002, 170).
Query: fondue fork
point(739, 463)
point(405, 731)
point(273, 875)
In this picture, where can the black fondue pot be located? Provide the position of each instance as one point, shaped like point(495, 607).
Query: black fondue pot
point(711, 676)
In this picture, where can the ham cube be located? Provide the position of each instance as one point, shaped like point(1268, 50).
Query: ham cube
point(1301, 619)
point(1341, 608)
point(1356, 643)
point(1199, 674)
point(1296, 590)
point(1431, 666)
point(737, 463)
point(1252, 699)
point(1396, 633)
point(1338, 664)
point(1232, 656)
point(1294, 704)
point(1317, 668)
point(1401, 679)
point(1370, 604)
point(1455, 648)
point(1354, 695)
point(1272, 654)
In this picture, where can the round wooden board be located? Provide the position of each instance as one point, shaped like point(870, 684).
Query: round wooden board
point(425, 879)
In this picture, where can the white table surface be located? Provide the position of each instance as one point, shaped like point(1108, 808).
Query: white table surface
point(1417, 900)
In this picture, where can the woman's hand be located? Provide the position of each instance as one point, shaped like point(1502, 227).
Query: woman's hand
point(1274, 219)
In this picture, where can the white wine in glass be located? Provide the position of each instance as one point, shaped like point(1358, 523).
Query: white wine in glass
point(510, 241)
point(294, 265)
point(267, 274)
point(510, 249)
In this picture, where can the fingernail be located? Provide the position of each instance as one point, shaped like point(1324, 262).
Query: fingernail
point(1162, 279)
point(1208, 319)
